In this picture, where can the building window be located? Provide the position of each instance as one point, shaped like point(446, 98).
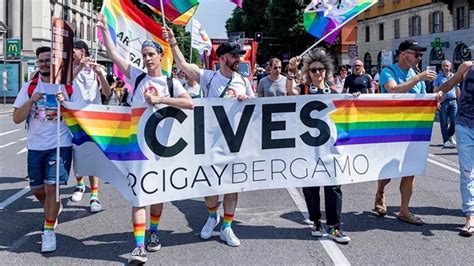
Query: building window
point(380, 4)
point(381, 34)
point(396, 28)
point(81, 31)
point(367, 34)
point(89, 32)
point(436, 22)
point(460, 22)
point(414, 26)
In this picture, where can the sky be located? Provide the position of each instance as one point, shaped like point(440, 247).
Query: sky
point(212, 14)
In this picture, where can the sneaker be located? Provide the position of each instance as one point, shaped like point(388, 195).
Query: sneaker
point(208, 228)
point(138, 256)
point(227, 235)
point(451, 139)
point(448, 144)
point(153, 243)
point(336, 234)
point(317, 230)
point(77, 194)
point(48, 241)
point(95, 206)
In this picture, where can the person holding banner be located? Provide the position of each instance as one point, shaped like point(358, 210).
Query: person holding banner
point(465, 137)
point(36, 103)
point(318, 68)
point(151, 87)
point(223, 83)
point(401, 78)
point(88, 78)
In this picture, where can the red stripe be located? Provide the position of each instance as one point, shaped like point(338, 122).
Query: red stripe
point(99, 115)
point(141, 19)
point(226, 215)
point(384, 103)
point(155, 216)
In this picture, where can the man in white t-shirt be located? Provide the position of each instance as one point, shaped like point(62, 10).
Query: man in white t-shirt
point(88, 78)
point(223, 83)
point(36, 103)
point(151, 88)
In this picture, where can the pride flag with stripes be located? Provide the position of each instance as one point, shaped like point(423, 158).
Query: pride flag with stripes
point(321, 17)
point(114, 131)
point(129, 28)
point(179, 12)
point(383, 121)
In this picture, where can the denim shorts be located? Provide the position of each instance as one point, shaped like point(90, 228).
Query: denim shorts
point(42, 166)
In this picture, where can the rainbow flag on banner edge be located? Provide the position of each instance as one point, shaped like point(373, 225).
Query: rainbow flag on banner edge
point(179, 12)
point(114, 10)
point(383, 121)
point(115, 133)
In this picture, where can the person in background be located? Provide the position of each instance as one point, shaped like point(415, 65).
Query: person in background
point(273, 84)
point(340, 78)
point(358, 81)
point(192, 87)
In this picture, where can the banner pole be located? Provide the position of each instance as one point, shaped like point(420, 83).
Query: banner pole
point(191, 44)
point(162, 13)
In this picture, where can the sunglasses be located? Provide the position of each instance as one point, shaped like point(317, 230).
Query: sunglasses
point(317, 69)
point(419, 55)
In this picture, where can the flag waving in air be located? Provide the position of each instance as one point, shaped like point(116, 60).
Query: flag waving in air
point(129, 27)
point(179, 12)
point(325, 18)
point(201, 40)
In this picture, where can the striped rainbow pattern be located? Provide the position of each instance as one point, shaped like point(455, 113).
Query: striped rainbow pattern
point(139, 233)
point(383, 121)
point(114, 133)
point(319, 25)
point(179, 12)
point(115, 10)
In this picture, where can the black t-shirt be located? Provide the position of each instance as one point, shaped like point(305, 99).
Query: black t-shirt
point(358, 83)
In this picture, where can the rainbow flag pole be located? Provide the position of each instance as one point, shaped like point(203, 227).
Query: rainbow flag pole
point(344, 22)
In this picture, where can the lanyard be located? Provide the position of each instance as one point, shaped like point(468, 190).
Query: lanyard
point(227, 86)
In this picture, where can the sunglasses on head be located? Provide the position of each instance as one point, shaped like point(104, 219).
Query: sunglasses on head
point(317, 69)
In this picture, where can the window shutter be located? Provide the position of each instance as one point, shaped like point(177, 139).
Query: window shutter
point(441, 21)
point(455, 19)
point(431, 22)
point(418, 30)
point(410, 26)
point(466, 17)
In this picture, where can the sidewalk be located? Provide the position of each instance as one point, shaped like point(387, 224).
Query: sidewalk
point(6, 108)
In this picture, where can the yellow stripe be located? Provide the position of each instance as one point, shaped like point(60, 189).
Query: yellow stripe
point(381, 117)
point(384, 110)
point(110, 132)
point(87, 122)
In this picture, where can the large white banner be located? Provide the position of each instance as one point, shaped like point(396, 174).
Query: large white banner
point(161, 154)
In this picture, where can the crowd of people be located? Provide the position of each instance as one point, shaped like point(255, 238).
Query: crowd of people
point(311, 74)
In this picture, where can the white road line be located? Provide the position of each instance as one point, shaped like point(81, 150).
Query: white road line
point(443, 166)
point(23, 139)
point(331, 248)
point(9, 132)
point(15, 196)
point(443, 160)
point(6, 145)
point(22, 151)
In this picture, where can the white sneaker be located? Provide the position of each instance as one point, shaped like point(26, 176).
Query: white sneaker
point(208, 228)
point(448, 144)
point(48, 241)
point(95, 206)
point(228, 236)
point(77, 194)
point(452, 141)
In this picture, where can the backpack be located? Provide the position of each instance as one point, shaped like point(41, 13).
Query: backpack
point(34, 83)
point(169, 83)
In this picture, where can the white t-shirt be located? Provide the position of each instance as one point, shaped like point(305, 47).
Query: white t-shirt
point(154, 85)
point(237, 86)
point(86, 87)
point(42, 121)
point(194, 91)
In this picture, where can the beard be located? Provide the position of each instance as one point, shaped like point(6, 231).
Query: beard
point(233, 66)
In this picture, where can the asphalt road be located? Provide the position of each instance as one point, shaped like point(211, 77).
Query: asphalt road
point(270, 223)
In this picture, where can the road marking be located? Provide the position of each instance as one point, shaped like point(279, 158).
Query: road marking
point(15, 196)
point(22, 151)
point(331, 248)
point(9, 132)
point(443, 160)
point(6, 145)
point(23, 139)
point(444, 166)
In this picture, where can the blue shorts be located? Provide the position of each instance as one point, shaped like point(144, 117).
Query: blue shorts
point(42, 167)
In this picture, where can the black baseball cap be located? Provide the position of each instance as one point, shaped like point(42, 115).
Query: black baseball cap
point(229, 48)
point(82, 45)
point(412, 45)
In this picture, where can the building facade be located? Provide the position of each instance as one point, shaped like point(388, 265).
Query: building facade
point(444, 27)
point(30, 22)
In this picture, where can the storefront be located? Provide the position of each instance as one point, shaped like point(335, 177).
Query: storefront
point(461, 53)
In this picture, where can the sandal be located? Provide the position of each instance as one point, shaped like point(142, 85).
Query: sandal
point(467, 231)
point(411, 219)
point(379, 206)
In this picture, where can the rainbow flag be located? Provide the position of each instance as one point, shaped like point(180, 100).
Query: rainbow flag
point(321, 17)
point(129, 27)
point(383, 121)
point(179, 12)
point(114, 131)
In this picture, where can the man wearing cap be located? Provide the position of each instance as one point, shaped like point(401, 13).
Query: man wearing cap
point(88, 78)
point(401, 78)
point(223, 83)
point(151, 87)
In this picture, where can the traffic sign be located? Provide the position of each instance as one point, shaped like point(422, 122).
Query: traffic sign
point(13, 49)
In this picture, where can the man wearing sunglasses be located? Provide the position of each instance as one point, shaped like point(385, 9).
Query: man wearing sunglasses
point(358, 81)
point(402, 78)
point(275, 83)
point(223, 83)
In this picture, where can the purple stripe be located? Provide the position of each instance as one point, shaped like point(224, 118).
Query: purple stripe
point(129, 156)
point(382, 139)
